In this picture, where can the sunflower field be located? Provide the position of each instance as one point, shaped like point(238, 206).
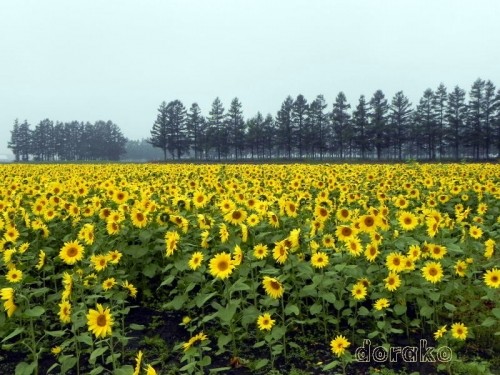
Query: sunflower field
point(254, 267)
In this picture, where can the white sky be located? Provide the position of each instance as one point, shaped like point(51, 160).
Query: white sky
point(119, 59)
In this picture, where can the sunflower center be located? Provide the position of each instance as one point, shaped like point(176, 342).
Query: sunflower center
point(275, 285)
point(369, 221)
point(139, 216)
point(494, 279)
point(433, 272)
point(223, 265)
point(408, 221)
point(396, 261)
point(71, 252)
point(101, 320)
point(236, 215)
point(346, 231)
point(391, 281)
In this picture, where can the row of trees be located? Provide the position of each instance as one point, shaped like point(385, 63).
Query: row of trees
point(442, 125)
point(102, 140)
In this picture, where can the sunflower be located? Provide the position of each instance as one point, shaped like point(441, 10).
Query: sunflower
point(138, 361)
point(14, 275)
point(359, 291)
point(459, 331)
point(273, 287)
point(223, 233)
point(489, 248)
point(475, 232)
point(11, 234)
point(437, 251)
point(221, 265)
point(237, 255)
point(265, 322)
point(321, 213)
point(280, 252)
point(260, 251)
point(440, 332)
point(131, 288)
point(328, 241)
point(381, 304)
point(367, 223)
point(253, 220)
point(99, 262)
point(114, 256)
point(195, 260)
point(339, 344)
point(200, 200)
point(227, 205)
point(492, 278)
point(120, 197)
point(371, 252)
point(236, 217)
point(71, 252)
point(7, 295)
point(344, 233)
point(139, 218)
point(343, 214)
point(407, 220)
point(171, 240)
point(108, 283)
point(319, 259)
point(41, 260)
point(150, 370)
point(392, 281)
point(394, 262)
point(112, 227)
point(291, 209)
point(432, 272)
point(460, 268)
point(65, 312)
point(273, 219)
point(100, 321)
point(193, 340)
point(414, 252)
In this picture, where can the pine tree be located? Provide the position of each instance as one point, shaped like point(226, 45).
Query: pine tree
point(440, 98)
point(475, 121)
point(378, 131)
point(217, 135)
point(456, 116)
point(341, 124)
point(196, 129)
point(299, 120)
point(319, 126)
point(400, 115)
point(14, 141)
point(285, 127)
point(236, 127)
point(360, 127)
point(159, 133)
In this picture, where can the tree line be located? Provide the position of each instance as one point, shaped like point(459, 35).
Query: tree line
point(443, 125)
point(75, 140)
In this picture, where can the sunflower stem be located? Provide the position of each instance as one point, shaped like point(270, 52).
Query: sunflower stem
point(284, 326)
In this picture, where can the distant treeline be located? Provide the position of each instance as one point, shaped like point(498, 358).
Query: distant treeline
point(75, 140)
point(443, 125)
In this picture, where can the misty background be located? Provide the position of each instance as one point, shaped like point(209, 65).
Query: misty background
point(118, 60)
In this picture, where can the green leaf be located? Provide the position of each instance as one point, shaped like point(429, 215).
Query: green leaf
point(278, 332)
point(145, 235)
point(24, 368)
point(330, 365)
point(85, 338)
point(315, 309)
point(363, 311)
point(226, 314)
point(205, 361)
point(68, 363)
point(201, 299)
point(124, 370)
point(223, 340)
point(381, 324)
point(96, 353)
point(339, 304)
point(496, 312)
point(292, 309)
point(150, 270)
point(449, 306)
point(136, 327)
point(426, 311)
point(488, 322)
point(260, 363)
point(136, 251)
point(177, 302)
point(168, 280)
point(55, 333)
point(238, 286)
point(14, 333)
point(329, 297)
point(97, 370)
point(399, 309)
point(219, 369)
point(434, 296)
point(35, 312)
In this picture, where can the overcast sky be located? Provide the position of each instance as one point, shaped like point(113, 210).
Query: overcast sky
point(119, 59)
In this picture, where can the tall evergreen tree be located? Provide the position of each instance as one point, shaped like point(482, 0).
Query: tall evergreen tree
point(159, 133)
point(440, 99)
point(378, 122)
point(475, 121)
point(14, 141)
point(236, 127)
point(456, 116)
point(217, 136)
point(426, 123)
point(299, 120)
point(489, 107)
point(341, 125)
point(196, 129)
point(285, 127)
point(400, 115)
point(360, 118)
point(319, 126)
point(178, 143)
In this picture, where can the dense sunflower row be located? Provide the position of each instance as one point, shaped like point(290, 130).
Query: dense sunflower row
point(250, 254)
